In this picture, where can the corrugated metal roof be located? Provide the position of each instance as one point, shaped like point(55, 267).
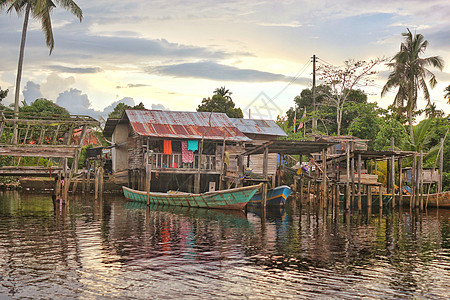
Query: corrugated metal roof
point(184, 125)
point(252, 126)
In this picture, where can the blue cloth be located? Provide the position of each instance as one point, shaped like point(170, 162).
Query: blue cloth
point(193, 145)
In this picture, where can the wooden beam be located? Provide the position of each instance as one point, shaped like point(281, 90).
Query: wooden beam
point(38, 151)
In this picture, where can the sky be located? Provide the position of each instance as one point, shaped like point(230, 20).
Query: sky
point(172, 54)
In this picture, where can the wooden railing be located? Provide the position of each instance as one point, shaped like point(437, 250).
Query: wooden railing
point(174, 161)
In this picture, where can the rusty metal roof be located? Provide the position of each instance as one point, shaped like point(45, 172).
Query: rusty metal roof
point(184, 125)
point(264, 127)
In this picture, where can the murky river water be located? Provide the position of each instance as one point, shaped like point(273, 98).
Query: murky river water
point(117, 249)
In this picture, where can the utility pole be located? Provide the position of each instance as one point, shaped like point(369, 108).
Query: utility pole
point(314, 121)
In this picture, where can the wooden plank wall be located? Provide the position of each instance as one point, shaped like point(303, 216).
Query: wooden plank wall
point(256, 163)
point(135, 152)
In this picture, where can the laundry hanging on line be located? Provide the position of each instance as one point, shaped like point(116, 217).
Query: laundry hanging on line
point(167, 147)
point(187, 156)
point(193, 145)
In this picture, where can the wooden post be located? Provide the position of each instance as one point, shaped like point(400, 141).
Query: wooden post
point(148, 177)
point(353, 179)
point(369, 196)
point(58, 187)
point(347, 185)
point(102, 181)
point(380, 195)
point(301, 189)
point(324, 180)
point(412, 199)
point(96, 182)
point(419, 175)
point(441, 164)
point(400, 182)
point(83, 182)
point(393, 172)
point(309, 192)
point(265, 168)
point(264, 195)
point(359, 182)
point(421, 179)
point(222, 170)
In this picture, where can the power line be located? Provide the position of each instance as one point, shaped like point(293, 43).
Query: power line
point(299, 73)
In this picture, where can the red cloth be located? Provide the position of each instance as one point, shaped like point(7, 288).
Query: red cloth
point(167, 147)
point(187, 156)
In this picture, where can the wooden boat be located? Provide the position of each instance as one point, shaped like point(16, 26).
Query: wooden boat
point(437, 200)
point(235, 198)
point(275, 197)
point(441, 200)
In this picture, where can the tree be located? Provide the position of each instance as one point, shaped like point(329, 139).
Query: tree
point(366, 121)
point(390, 126)
point(121, 107)
point(431, 111)
point(45, 108)
point(409, 74)
point(447, 93)
point(224, 92)
point(342, 80)
point(219, 103)
point(40, 10)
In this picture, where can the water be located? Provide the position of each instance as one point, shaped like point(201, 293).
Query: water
point(117, 249)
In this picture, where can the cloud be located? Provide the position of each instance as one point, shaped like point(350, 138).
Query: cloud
point(132, 85)
point(63, 69)
point(214, 71)
point(126, 100)
point(76, 103)
point(55, 84)
point(31, 92)
point(158, 106)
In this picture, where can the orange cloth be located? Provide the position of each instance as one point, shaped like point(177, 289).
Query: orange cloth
point(167, 147)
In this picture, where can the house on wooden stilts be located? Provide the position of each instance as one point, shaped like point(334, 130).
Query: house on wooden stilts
point(171, 149)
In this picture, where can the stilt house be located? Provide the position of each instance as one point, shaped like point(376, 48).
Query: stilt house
point(170, 143)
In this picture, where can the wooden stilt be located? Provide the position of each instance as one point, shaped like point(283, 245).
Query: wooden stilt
point(421, 179)
point(400, 182)
point(148, 173)
point(96, 183)
point(359, 182)
point(393, 172)
point(324, 177)
point(347, 185)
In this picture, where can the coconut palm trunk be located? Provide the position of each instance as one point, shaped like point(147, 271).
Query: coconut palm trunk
point(19, 71)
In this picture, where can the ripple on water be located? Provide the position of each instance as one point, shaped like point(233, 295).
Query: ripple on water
point(109, 248)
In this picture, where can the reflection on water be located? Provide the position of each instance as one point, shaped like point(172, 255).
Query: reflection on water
point(112, 248)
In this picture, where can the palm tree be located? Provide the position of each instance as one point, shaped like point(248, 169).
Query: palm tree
point(224, 92)
point(447, 93)
point(409, 74)
point(41, 10)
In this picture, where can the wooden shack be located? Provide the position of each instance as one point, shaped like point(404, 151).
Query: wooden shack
point(174, 146)
point(260, 132)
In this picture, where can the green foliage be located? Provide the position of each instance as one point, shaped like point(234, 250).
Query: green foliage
point(120, 109)
point(446, 181)
point(360, 118)
point(45, 108)
point(3, 94)
point(366, 123)
point(220, 104)
point(390, 127)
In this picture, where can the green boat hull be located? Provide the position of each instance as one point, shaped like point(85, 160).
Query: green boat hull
point(227, 199)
